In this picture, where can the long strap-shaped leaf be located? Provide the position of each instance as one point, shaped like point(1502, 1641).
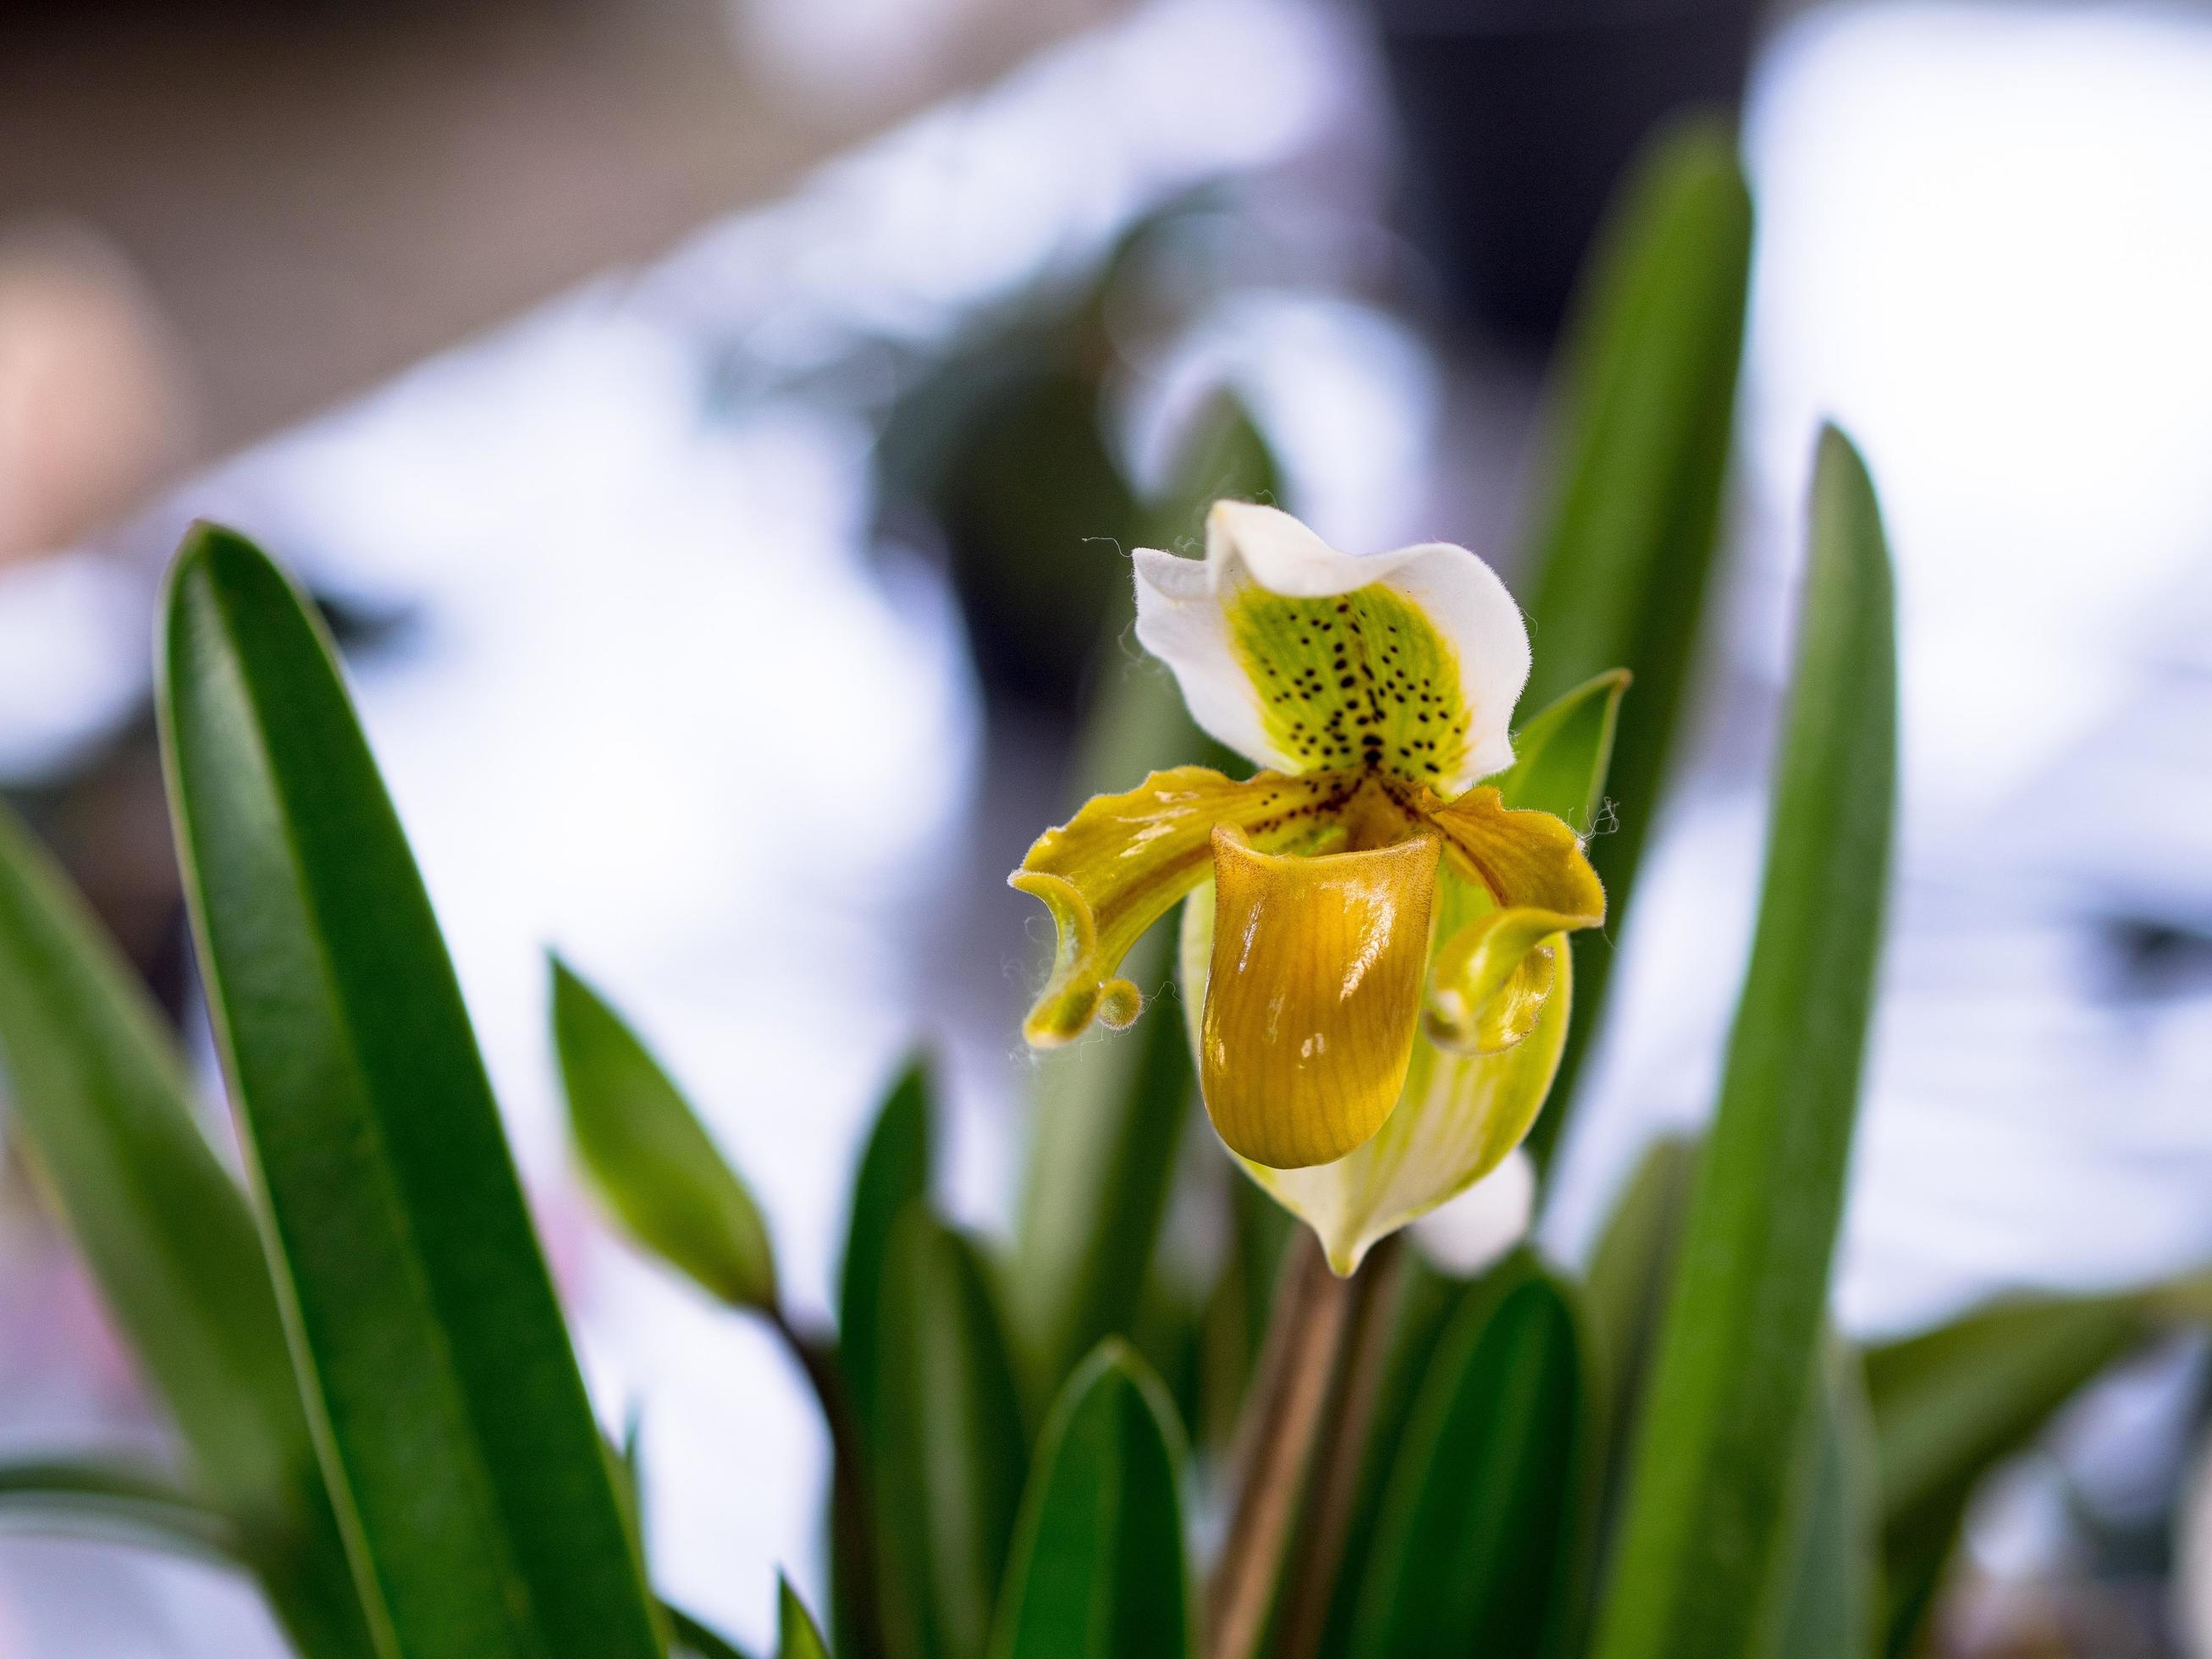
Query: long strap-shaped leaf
point(1476, 1549)
point(1833, 1600)
point(953, 1453)
point(896, 1170)
point(1623, 549)
point(114, 1501)
point(453, 1416)
point(100, 1098)
point(1951, 1403)
point(1715, 1470)
point(1098, 1569)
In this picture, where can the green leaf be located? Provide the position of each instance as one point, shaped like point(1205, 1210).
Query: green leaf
point(651, 1158)
point(1477, 1546)
point(1833, 1599)
point(1560, 759)
point(115, 1501)
point(796, 1634)
point(1624, 548)
point(1098, 1569)
point(895, 1172)
point(697, 1641)
point(1110, 1112)
point(1630, 1272)
point(1713, 1472)
point(953, 1445)
point(102, 1104)
point(1950, 1404)
point(452, 1417)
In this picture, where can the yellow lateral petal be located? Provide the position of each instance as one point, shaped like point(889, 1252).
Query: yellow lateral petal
point(1493, 975)
point(1313, 996)
point(1523, 858)
point(1122, 862)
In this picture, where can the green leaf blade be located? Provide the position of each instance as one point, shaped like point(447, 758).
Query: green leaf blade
point(952, 1455)
point(896, 1168)
point(99, 1098)
point(1632, 1272)
point(1477, 1546)
point(1714, 1470)
point(1624, 549)
point(798, 1636)
point(1833, 1598)
point(1562, 757)
point(114, 1500)
point(1949, 1404)
point(1098, 1568)
point(694, 1639)
point(651, 1158)
point(451, 1411)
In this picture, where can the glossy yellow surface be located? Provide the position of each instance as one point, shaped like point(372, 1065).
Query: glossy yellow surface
point(1315, 994)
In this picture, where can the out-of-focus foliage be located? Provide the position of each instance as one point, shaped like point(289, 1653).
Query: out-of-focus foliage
point(895, 1173)
point(650, 1157)
point(102, 1103)
point(1832, 1595)
point(1714, 1478)
point(1952, 1402)
point(952, 1445)
point(1098, 1569)
point(1622, 552)
point(1494, 1567)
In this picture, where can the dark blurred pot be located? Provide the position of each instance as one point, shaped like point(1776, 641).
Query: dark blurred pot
point(1519, 118)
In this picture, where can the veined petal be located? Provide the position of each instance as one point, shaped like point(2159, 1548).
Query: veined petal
point(1494, 973)
point(1118, 866)
point(1313, 995)
point(1302, 656)
point(1456, 1119)
point(1492, 979)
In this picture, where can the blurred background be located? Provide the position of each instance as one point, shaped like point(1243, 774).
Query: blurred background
point(714, 429)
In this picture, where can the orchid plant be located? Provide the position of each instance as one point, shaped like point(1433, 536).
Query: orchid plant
point(1373, 954)
point(1662, 1452)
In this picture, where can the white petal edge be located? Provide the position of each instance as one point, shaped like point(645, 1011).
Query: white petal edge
point(1182, 621)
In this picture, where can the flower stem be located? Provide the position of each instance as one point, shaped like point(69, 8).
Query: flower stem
point(852, 1528)
point(1275, 1443)
point(1343, 1455)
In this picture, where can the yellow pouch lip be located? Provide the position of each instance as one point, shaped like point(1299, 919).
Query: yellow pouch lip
point(1313, 996)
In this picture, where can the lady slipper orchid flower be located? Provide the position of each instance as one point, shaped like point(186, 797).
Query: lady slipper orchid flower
point(1372, 955)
